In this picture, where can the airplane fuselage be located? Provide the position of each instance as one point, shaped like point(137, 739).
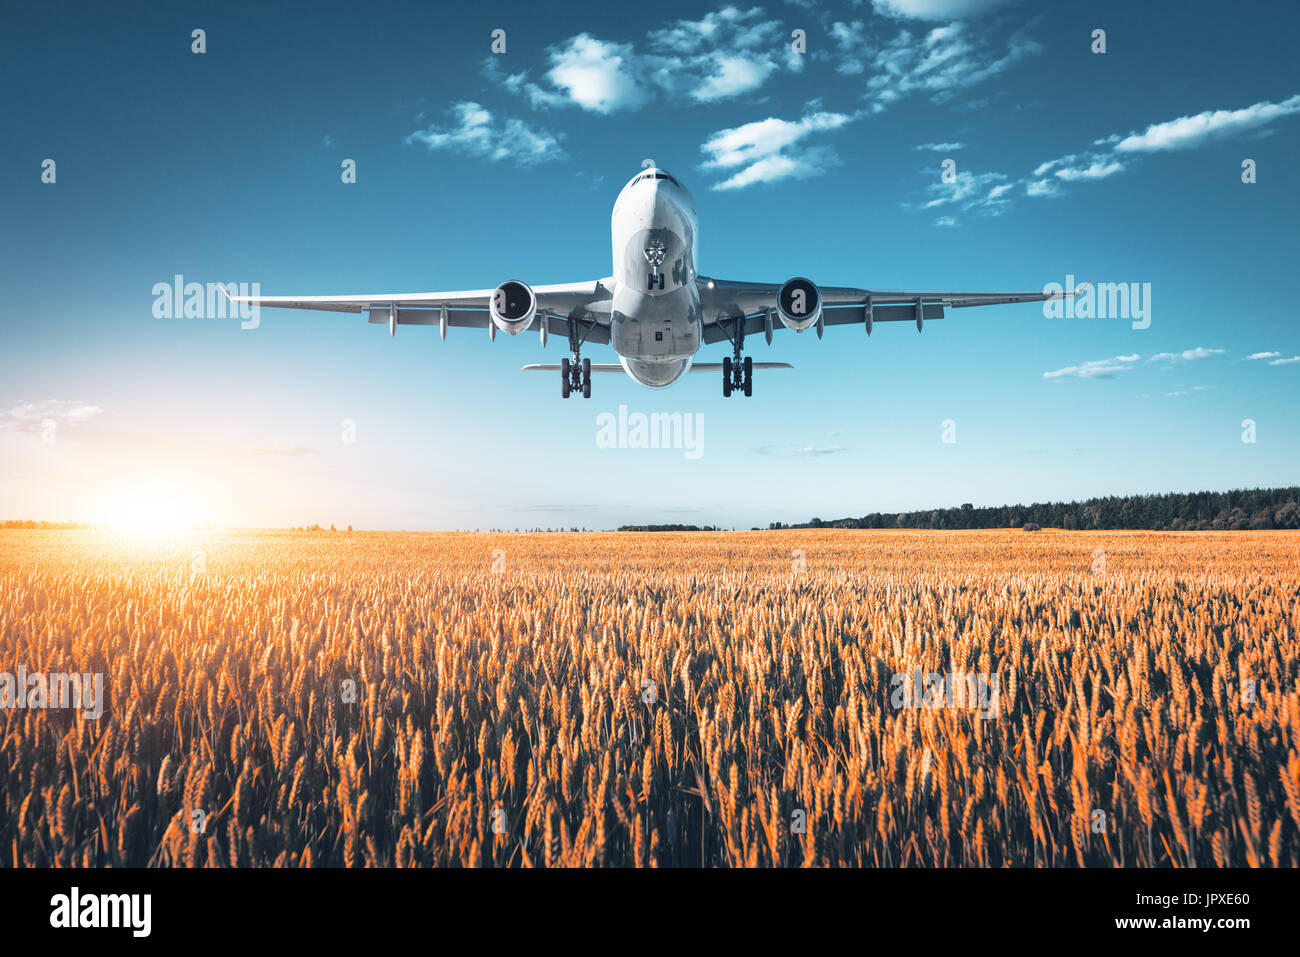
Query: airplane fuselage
point(656, 323)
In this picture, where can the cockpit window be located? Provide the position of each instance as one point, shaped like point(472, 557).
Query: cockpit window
point(657, 175)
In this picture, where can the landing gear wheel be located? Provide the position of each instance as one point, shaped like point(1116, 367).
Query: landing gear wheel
point(567, 383)
point(749, 376)
point(586, 378)
point(726, 376)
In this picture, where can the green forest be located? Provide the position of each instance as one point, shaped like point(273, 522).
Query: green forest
point(1239, 510)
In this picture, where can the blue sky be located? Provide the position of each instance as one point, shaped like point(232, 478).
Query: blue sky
point(473, 168)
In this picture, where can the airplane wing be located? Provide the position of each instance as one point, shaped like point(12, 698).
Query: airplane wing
point(584, 305)
point(616, 367)
point(725, 303)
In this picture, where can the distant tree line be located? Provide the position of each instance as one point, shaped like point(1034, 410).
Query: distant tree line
point(28, 523)
point(669, 528)
point(1238, 510)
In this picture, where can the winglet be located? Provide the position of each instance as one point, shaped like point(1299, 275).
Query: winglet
point(222, 287)
point(1079, 291)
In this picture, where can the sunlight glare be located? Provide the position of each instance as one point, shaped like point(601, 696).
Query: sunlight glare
point(152, 509)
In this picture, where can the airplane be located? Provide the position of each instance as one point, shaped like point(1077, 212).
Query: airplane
point(655, 310)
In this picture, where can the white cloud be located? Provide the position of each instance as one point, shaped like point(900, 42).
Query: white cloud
point(742, 144)
point(1081, 166)
point(722, 55)
point(1043, 168)
point(726, 53)
point(793, 59)
point(941, 147)
point(32, 417)
point(935, 9)
point(985, 192)
point(1095, 368)
point(1184, 133)
point(946, 221)
point(850, 38)
point(789, 450)
point(1285, 362)
point(478, 134)
point(771, 149)
point(596, 75)
point(1096, 170)
point(729, 27)
point(1187, 355)
point(947, 60)
point(1263, 355)
point(735, 75)
point(770, 169)
point(1187, 132)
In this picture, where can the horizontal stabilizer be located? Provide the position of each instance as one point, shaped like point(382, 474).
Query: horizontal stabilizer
point(717, 366)
point(555, 367)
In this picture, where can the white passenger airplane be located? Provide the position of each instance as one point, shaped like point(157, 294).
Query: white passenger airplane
point(655, 310)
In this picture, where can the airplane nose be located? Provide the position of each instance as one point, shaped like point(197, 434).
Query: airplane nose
point(649, 197)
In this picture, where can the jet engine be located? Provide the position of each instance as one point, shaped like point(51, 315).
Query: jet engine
point(799, 304)
point(513, 306)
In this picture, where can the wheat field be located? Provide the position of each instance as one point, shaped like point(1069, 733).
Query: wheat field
point(672, 699)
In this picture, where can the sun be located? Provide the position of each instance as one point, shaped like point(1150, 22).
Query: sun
point(152, 508)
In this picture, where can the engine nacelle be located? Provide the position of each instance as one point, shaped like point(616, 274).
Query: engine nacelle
point(799, 304)
point(513, 306)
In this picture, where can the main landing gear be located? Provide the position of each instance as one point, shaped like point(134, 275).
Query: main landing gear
point(737, 375)
point(737, 371)
point(575, 375)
